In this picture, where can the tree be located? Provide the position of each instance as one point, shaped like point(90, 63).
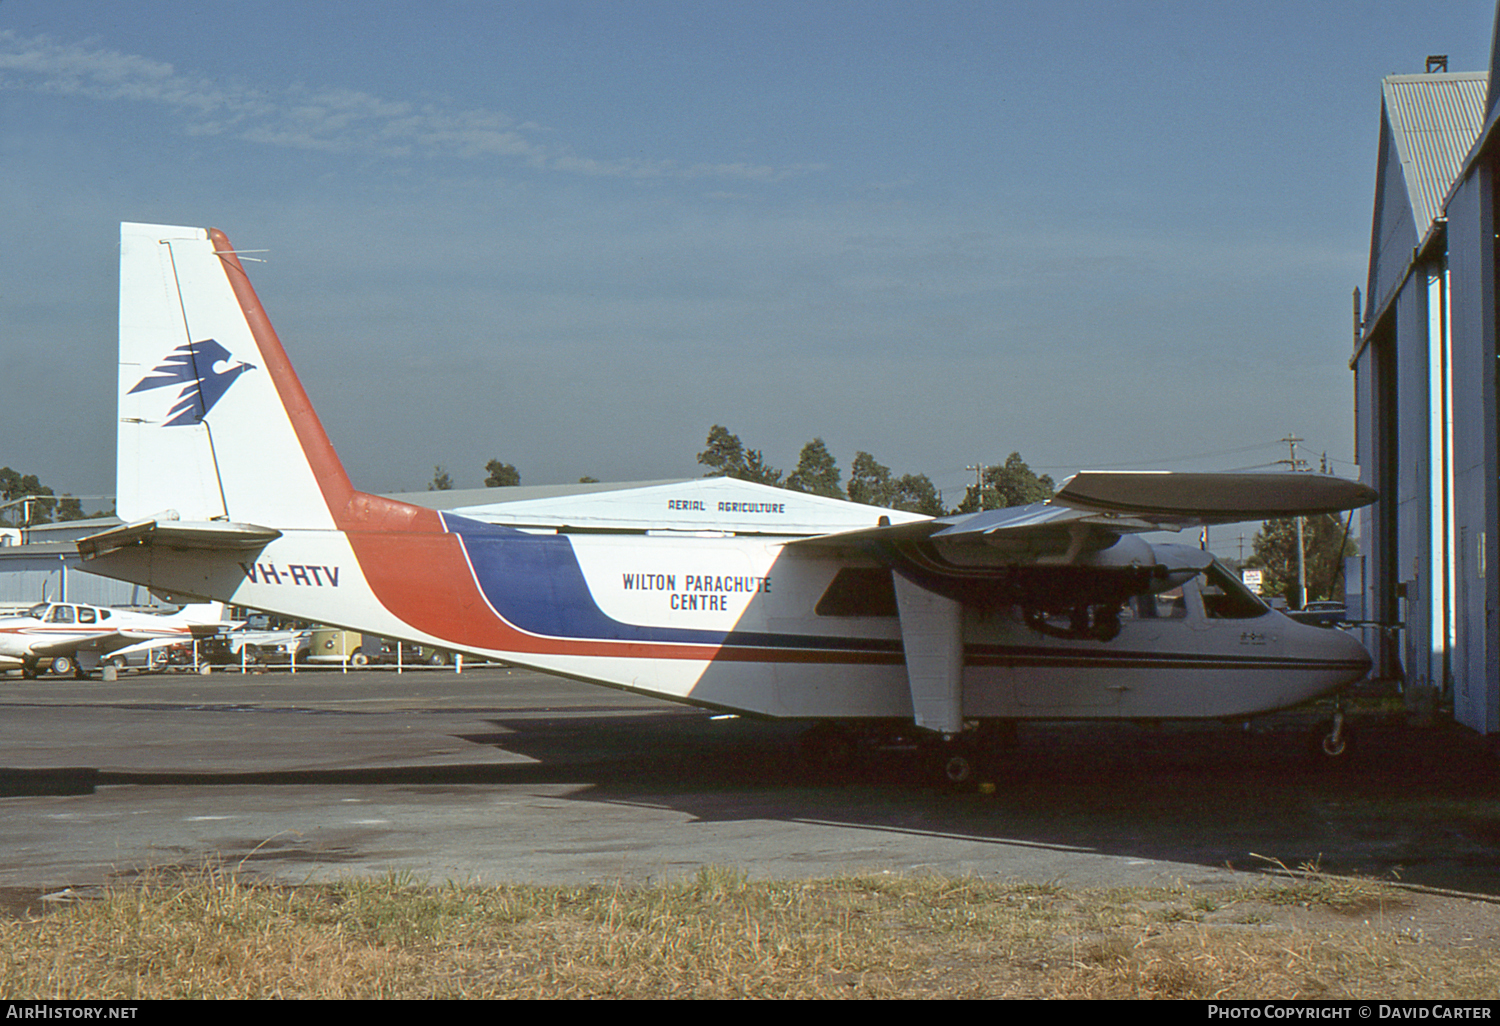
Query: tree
point(726, 456)
point(1325, 545)
point(15, 485)
point(501, 475)
point(1009, 484)
point(916, 493)
point(870, 482)
point(441, 482)
point(69, 508)
point(817, 471)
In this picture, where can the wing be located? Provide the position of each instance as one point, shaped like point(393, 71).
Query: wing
point(68, 646)
point(1076, 549)
point(1191, 499)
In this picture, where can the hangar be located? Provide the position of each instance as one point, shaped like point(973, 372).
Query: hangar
point(1424, 365)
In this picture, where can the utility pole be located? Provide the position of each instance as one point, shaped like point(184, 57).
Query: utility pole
point(1296, 464)
point(978, 469)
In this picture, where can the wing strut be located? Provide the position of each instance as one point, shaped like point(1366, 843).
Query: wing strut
point(932, 636)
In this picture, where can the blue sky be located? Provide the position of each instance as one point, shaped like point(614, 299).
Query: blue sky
point(575, 235)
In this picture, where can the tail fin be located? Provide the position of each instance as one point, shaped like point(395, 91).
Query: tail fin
point(213, 422)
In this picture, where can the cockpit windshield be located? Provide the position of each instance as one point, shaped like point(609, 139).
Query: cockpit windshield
point(1225, 596)
point(37, 611)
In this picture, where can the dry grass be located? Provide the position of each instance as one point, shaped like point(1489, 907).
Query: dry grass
point(718, 935)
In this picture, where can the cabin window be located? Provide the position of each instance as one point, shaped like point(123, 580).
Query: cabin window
point(85, 615)
point(1225, 596)
point(859, 591)
point(1166, 606)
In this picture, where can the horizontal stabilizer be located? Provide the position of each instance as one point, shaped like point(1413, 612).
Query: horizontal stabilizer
point(178, 534)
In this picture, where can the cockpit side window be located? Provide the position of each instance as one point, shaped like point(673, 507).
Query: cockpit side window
point(61, 614)
point(1225, 597)
point(1166, 606)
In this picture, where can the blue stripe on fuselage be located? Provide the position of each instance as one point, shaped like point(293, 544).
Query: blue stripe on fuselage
point(535, 583)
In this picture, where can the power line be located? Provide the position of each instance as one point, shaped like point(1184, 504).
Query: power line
point(1168, 459)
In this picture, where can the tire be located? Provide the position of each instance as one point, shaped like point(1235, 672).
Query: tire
point(957, 769)
point(359, 658)
point(953, 764)
point(1325, 749)
point(62, 665)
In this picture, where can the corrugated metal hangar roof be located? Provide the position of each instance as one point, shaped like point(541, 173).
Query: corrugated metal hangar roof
point(1435, 120)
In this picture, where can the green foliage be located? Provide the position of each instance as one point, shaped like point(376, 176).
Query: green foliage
point(871, 483)
point(15, 485)
point(1325, 546)
point(69, 508)
point(1009, 484)
point(817, 471)
point(501, 475)
point(441, 482)
point(726, 456)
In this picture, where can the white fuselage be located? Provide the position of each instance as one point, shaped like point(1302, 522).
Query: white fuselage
point(734, 623)
point(65, 628)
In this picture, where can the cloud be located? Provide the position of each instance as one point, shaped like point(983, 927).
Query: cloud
point(329, 120)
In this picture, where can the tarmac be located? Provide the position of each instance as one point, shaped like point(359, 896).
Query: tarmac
point(501, 775)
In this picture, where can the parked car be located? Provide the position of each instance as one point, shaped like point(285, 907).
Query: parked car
point(1320, 614)
point(332, 645)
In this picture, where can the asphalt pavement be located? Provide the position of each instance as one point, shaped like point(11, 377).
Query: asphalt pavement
point(501, 775)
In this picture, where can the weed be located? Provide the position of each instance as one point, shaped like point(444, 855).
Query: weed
point(220, 934)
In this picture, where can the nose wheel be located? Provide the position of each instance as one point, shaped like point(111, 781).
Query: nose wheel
point(1331, 739)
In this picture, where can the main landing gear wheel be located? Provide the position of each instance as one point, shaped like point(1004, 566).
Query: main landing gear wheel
point(62, 666)
point(953, 763)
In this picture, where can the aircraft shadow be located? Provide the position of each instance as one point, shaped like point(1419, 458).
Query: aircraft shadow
point(1419, 806)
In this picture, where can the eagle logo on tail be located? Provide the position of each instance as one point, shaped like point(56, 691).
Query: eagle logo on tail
point(192, 366)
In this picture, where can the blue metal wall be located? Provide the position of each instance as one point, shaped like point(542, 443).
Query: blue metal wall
point(1471, 260)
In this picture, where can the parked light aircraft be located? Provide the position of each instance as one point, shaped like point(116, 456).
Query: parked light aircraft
point(64, 636)
point(731, 596)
